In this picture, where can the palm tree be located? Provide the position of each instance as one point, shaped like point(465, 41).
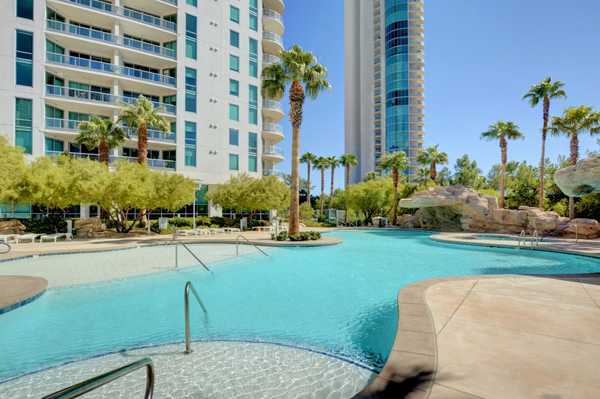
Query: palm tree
point(575, 121)
point(371, 176)
point(321, 163)
point(423, 175)
point(139, 116)
point(308, 158)
point(545, 91)
point(103, 134)
point(432, 157)
point(503, 131)
point(396, 161)
point(296, 67)
point(348, 160)
point(333, 163)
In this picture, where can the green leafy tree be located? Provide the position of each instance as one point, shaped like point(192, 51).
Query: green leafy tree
point(333, 164)
point(432, 157)
point(444, 177)
point(308, 158)
point(371, 176)
point(494, 176)
point(545, 91)
point(347, 161)
point(524, 188)
point(296, 68)
point(14, 173)
point(423, 175)
point(139, 116)
point(467, 173)
point(503, 131)
point(321, 163)
point(306, 211)
point(396, 161)
point(103, 134)
point(372, 198)
point(574, 122)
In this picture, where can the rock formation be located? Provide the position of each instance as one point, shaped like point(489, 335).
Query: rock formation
point(12, 226)
point(88, 227)
point(459, 208)
point(581, 179)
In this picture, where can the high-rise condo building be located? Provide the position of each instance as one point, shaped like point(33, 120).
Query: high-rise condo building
point(384, 96)
point(65, 60)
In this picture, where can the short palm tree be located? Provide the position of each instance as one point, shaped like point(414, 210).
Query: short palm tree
point(308, 158)
point(423, 175)
point(545, 91)
point(502, 131)
point(432, 157)
point(396, 161)
point(371, 176)
point(321, 163)
point(333, 163)
point(575, 121)
point(297, 67)
point(347, 161)
point(139, 116)
point(103, 134)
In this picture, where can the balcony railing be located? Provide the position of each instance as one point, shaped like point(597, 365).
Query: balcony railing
point(62, 124)
point(152, 163)
point(416, 120)
point(93, 157)
point(127, 13)
point(270, 59)
point(272, 14)
point(168, 108)
point(273, 172)
point(268, 104)
point(155, 135)
point(110, 38)
point(270, 150)
point(273, 37)
point(272, 127)
point(110, 68)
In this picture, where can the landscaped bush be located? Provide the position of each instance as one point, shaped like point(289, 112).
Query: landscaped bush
point(321, 218)
point(294, 237)
point(181, 222)
point(225, 222)
point(303, 236)
point(47, 225)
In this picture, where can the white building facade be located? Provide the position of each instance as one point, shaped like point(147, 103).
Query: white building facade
point(384, 81)
point(65, 60)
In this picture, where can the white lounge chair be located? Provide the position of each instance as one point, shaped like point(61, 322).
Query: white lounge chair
point(56, 236)
point(6, 237)
point(202, 231)
point(231, 230)
point(187, 231)
point(216, 231)
point(30, 236)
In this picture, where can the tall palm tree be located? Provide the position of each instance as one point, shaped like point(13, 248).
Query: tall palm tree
point(347, 161)
point(139, 116)
point(503, 131)
point(333, 163)
point(575, 121)
point(321, 163)
point(396, 161)
point(371, 176)
point(297, 67)
point(103, 134)
point(423, 174)
point(545, 91)
point(308, 158)
point(432, 157)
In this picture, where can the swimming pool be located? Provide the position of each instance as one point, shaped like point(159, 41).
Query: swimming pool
point(340, 300)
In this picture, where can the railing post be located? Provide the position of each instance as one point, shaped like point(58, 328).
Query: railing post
point(188, 349)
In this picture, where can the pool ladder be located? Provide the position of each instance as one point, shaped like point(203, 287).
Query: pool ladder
point(523, 236)
point(7, 245)
point(189, 286)
point(185, 246)
point(237, 243)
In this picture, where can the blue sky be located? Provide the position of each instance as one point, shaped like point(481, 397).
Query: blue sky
point(480, 58)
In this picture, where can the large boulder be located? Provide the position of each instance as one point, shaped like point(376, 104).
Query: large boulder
point(463, 209)
point(12, 226)
point(581, 179)
point(87, 228)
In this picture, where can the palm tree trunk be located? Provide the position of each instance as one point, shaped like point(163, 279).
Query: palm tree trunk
point(322, 187)
point(142, 144)
point(308, 188)
point(574, 144)
point(331, 197)
point(503, 145)
point(104, 152)
point(546, 115)
point(347, 184)
point(432, 171)
point(296, 96)
point(395, 208)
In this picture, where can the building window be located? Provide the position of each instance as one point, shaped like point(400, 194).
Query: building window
point(234, 14)
point(54, 145)
point(253, 69)
point(253, 105)
point(253, 22)
point(234, 87)
point(24, 58)
point(234, 137)
point(234, 63)
point(192, 2)
point(190, 144)
point(170, 45)
point(191, 29)
point(234, 113)
point(252, 152)
point(170, 100)
point(234, 39)
point(253, 50)
point(252, 163)
point(234, 162)
point(190, 90)
point(23, 123)
point(25, 9)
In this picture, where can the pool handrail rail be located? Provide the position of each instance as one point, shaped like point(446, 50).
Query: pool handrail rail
point(185, 246)
point(186, 297)
point(564, 228)
point(82, 388)
point(8, 245)
point(237, 243)
point(534, 236)
point(522, 235)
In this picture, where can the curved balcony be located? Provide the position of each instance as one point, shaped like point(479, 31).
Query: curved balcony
point(110, 39)
point(269, 60)
point(272, 22)
point(273, 172)
point(153, 135)
point(272, 43)
point(272, 132)
point(273, 154)
point(272, 110)
point(152, 163)
point(275, 5)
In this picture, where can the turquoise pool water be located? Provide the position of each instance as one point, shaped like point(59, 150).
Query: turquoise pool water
point(338, 299)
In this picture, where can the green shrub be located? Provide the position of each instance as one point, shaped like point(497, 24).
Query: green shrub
point(225, 222)
point(306, 211)
point(203, 221)
point(214, 226)
point(315, 235)
point(305, 236)
point(47, 225)
point(181, 222)
point(321, 218)
point(294, 237)
point(282, 236)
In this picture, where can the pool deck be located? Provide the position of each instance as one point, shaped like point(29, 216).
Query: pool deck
point(17, 291)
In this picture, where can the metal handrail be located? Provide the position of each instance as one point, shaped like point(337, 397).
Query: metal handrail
point(522, 235)
point(185, 246)
point(564, 228)
point(237, 243)
point(186, 298)
point(96, 382)
point(8, 245)
point(535, 235)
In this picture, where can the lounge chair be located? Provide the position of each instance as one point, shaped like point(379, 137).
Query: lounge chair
point(186, 232)
point(6, 237)
point(231, 230)
point(217, 231)
point(30, 236)
point(202, 231)
point(56, 236)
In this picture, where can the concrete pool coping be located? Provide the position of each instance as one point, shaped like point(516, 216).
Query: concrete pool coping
point(412, 367)
point(17, 291)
